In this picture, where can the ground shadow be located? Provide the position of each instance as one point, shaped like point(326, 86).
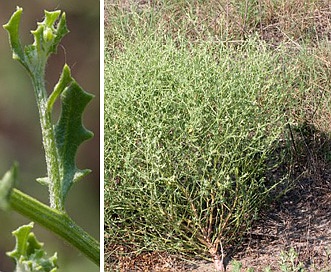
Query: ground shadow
point(301, 218)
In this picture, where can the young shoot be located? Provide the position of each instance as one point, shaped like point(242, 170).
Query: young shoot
point(61, 141)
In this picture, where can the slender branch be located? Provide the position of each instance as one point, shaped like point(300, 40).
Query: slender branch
point(57, 222)
point(49, 144)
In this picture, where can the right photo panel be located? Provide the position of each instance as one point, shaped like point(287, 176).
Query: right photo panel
point(217, 135)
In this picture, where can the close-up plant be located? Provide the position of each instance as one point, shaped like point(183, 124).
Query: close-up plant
point(61, 140)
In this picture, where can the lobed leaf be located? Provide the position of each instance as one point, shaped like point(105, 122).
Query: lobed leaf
point(29, 253)
point(69, 130)
point(47, 36)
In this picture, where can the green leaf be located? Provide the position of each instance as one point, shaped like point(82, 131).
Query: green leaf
point(64, 81)
point(13, 29)
point(7, 183)
point(29, 253)
point(69, 131)
point(47, 36)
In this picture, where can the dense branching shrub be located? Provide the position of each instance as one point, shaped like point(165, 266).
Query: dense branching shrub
point(191, 133)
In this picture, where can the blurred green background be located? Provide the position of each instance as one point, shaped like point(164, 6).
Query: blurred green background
point(20, 135)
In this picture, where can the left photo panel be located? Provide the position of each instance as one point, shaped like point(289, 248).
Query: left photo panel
point(50, 136)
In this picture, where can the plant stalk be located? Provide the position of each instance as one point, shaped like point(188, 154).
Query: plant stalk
point(57, 222)
point(49, 143)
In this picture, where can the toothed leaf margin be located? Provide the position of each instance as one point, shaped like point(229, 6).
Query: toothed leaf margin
point(29, 253)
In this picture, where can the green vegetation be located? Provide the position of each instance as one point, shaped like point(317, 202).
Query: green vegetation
point(190, 138)
point(29, 254)
point(202, 108)
point(60, 141)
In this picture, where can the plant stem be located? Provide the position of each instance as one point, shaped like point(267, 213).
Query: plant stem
point(48, 141)
point(57, 222)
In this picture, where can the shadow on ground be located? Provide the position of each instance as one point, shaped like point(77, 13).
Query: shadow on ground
point(301, 218)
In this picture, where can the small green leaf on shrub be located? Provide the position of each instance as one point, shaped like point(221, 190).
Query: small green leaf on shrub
point(29, 253)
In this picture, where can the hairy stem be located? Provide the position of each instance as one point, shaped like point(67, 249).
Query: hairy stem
point(48, 141)
point(57, 222)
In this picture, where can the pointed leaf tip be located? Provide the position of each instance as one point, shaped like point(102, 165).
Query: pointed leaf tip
point(64, 81)
point(12, 27)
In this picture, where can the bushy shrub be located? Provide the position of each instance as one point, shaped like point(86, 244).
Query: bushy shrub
point(190, 137)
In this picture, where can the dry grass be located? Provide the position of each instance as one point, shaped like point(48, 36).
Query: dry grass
point(275, 21)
